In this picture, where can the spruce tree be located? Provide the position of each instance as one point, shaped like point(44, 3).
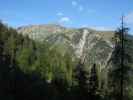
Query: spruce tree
point(119, 73)
point(82, 78)
point(93, 83)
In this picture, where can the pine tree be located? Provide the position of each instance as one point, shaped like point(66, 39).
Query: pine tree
point(82, 77)
point(93, 83)
point(119, 73)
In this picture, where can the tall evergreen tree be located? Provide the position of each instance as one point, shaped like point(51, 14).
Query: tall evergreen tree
point(93, 83)
point(119, 73)
point(82, 77)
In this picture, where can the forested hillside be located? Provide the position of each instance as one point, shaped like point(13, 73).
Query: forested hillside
point(56, 69)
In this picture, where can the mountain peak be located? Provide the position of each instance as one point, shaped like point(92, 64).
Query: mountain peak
point(85, 42)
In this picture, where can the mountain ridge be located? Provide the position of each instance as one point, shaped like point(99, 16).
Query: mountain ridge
point(81, 40)
point(85, 43)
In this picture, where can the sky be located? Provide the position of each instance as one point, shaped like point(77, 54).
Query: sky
point(97, 14)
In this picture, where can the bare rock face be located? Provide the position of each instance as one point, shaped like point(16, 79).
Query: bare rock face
point(84, 44)
point(91, 45)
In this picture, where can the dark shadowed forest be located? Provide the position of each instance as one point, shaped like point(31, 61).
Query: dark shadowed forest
point(29, 70)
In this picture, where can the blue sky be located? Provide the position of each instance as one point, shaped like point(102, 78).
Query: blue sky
point(99, 14)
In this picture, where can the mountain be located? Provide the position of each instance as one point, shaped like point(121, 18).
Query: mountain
point(85, 43)
point(68, 60)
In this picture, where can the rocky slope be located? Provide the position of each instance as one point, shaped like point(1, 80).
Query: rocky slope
point(89, 45)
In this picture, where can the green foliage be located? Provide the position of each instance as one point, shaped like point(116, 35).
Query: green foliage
point(93, 81)
point(49, 70)
point(120, 73)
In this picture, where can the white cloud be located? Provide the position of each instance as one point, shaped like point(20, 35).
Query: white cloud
point(81, 8)
point(60, 14)
point(129, 18)
point(77, 5)
point(74, 3)
point(64, 20)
